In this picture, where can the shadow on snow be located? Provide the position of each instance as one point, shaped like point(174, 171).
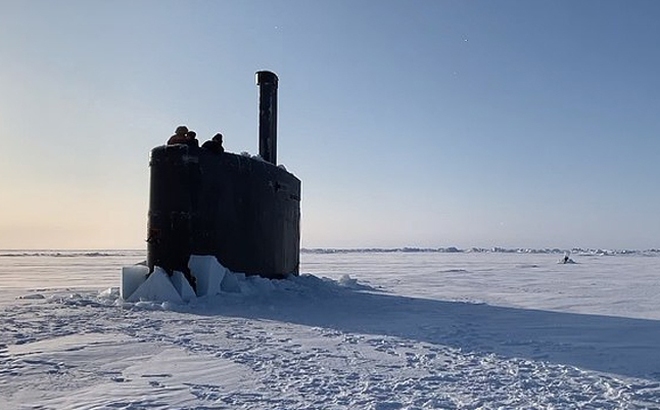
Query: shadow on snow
point(618, 345)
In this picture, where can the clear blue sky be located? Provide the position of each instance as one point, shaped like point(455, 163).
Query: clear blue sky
point(410, 123)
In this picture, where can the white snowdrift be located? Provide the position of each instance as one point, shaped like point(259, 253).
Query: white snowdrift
point(211, 278)
point(156, 287)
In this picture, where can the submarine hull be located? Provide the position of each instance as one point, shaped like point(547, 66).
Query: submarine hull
point(241, 209)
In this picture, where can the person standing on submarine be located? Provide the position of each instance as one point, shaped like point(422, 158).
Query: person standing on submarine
point(214, 144)
point(183, 136)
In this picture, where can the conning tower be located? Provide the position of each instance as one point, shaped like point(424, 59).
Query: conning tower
point(244, 210)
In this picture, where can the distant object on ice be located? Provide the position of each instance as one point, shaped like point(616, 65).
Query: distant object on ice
point(566, 259)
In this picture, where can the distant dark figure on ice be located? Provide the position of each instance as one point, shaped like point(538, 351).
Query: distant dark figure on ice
point(566, 259)
point(214, 144)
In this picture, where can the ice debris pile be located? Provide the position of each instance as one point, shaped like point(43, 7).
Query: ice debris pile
point(211, 278)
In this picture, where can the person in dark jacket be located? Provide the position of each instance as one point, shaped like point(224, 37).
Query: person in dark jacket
point(214, 144)
point(191, 139)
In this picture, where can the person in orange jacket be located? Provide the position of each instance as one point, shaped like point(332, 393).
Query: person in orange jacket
point(179, 136)
point(183, 136)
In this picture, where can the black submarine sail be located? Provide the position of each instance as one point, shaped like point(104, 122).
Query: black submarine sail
point(243, 210)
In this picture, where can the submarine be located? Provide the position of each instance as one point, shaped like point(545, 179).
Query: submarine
point(242, 209)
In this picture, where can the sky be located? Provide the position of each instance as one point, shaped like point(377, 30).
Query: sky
point(410, 123)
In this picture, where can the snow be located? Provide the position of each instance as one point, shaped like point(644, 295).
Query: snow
point(138, 285)
point(183, 287)
point(394, 330)
point(131, 279)
point(158, 287)
point(208, 272)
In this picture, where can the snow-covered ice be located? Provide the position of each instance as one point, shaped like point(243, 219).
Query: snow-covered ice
point(398, 330)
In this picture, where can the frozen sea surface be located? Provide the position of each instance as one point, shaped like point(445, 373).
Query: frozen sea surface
point(355, 330)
